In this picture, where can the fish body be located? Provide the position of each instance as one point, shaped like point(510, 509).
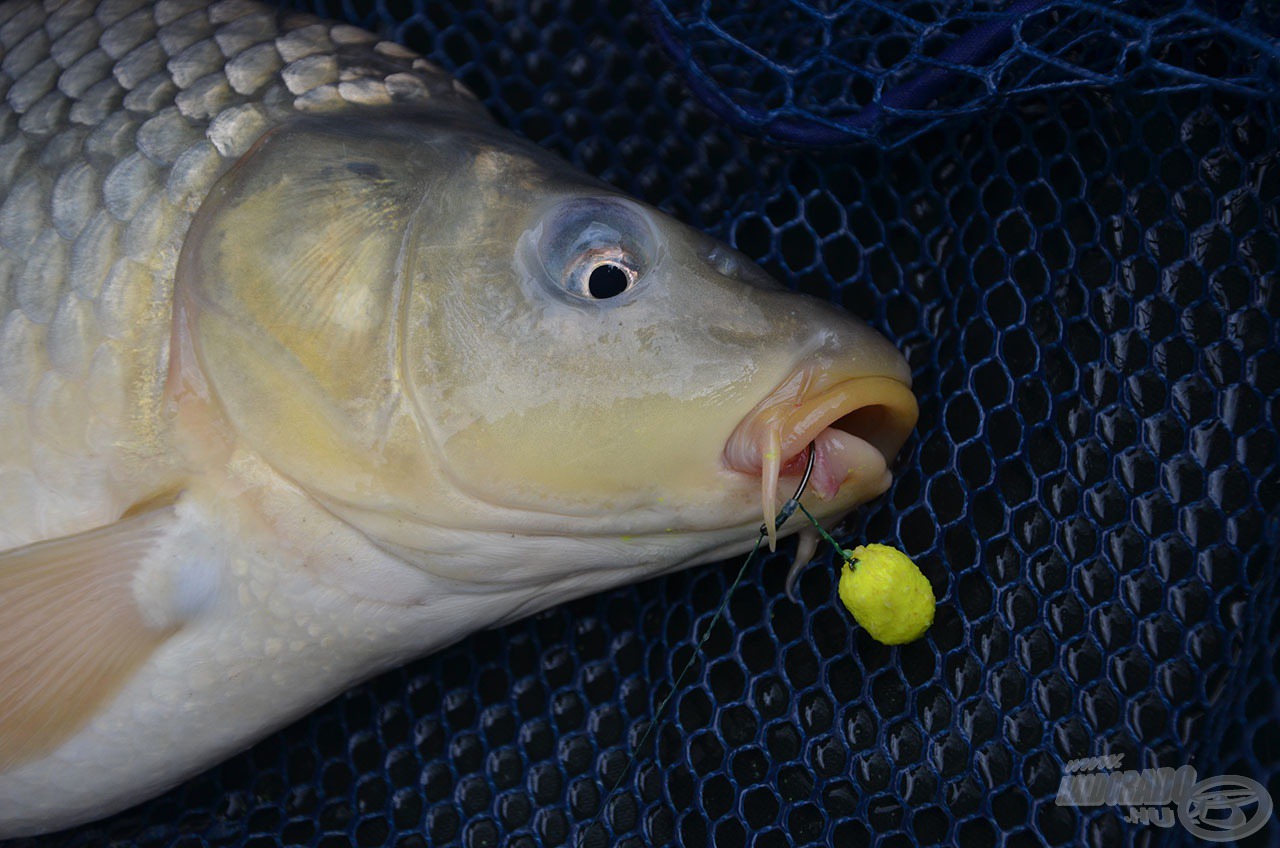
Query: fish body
point(307, 368)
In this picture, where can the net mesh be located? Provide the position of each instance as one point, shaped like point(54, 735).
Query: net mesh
point(1084, 280)
point(829, 71)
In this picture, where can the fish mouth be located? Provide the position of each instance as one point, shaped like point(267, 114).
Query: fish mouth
point(854, 427)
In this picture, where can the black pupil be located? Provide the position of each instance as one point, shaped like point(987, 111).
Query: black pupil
point(606, 281)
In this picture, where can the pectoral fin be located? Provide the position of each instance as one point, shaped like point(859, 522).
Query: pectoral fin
point(71, 633)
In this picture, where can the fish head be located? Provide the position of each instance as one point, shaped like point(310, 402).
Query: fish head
point(503, 370)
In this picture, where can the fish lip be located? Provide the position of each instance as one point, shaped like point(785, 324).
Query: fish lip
point(807, 402)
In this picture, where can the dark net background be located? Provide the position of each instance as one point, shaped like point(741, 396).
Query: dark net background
point(1076, 249)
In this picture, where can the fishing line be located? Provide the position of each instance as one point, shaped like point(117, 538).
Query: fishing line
point(788, 509)
point(826, 537)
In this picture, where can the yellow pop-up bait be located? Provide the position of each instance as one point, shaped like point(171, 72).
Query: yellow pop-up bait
point(887, 594)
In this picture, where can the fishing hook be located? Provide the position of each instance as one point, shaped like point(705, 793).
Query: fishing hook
point(793, 503)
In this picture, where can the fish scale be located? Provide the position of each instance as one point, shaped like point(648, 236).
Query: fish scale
point(132, 111)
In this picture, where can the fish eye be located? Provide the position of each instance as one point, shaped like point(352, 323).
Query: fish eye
point(607, 280)
point(600, 274)
point(596, 249)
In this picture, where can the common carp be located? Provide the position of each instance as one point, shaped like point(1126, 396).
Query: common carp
point(308, 368)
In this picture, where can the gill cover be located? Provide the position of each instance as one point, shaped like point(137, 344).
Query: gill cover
point(288, 289)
